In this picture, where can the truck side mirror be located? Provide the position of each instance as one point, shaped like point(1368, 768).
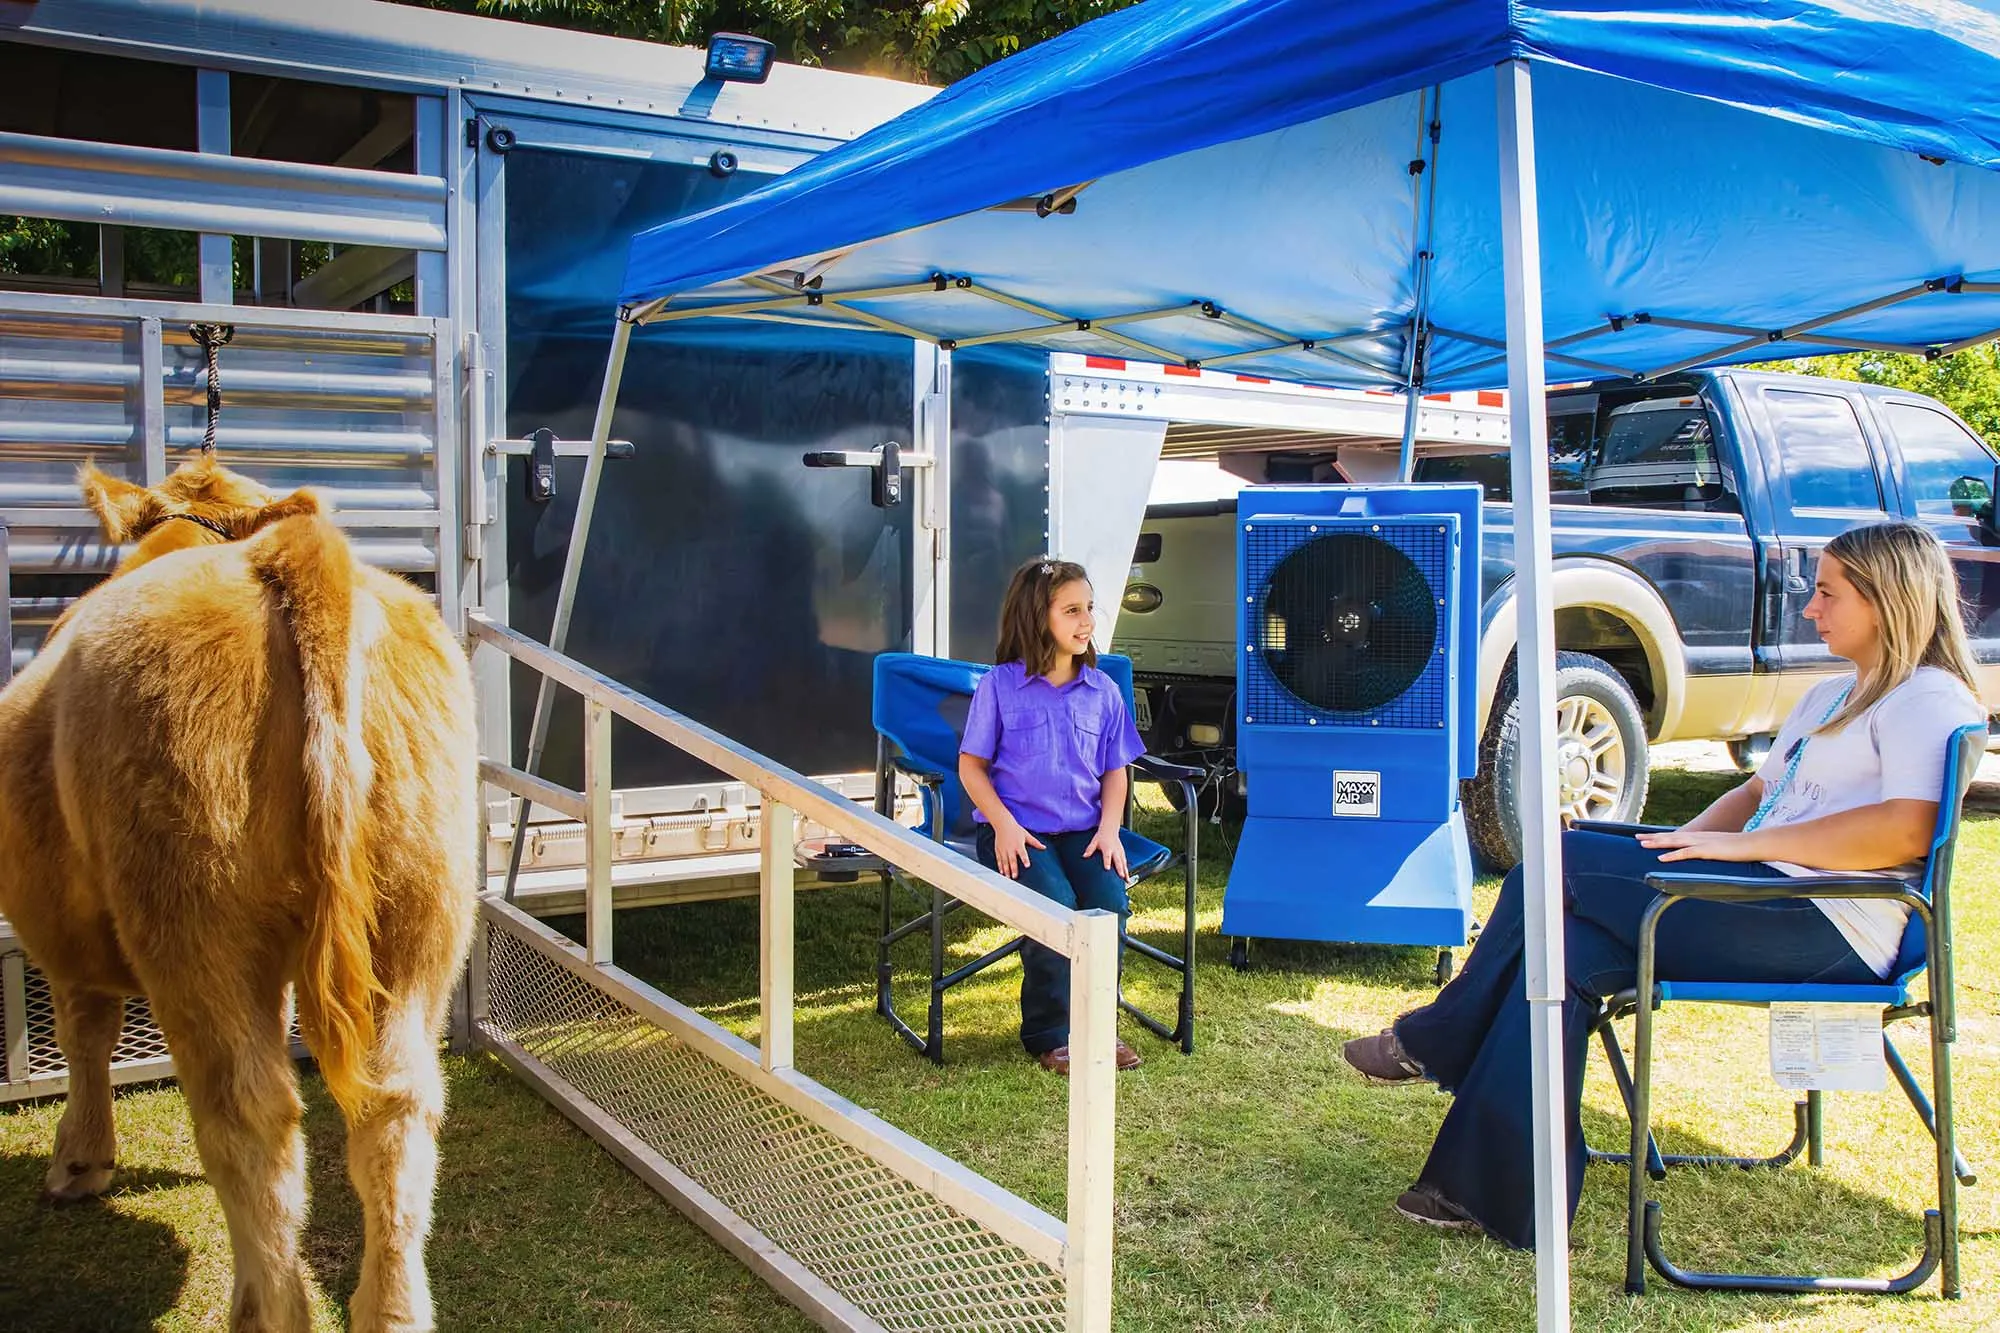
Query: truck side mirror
point(1972, 499)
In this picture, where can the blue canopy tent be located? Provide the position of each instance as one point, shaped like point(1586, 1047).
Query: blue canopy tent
point(1418, 195)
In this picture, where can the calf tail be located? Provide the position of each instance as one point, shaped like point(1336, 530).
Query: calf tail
point(308, 564)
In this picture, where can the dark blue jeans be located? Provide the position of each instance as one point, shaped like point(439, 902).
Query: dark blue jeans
point(1060, 871)
point(1473, 1039)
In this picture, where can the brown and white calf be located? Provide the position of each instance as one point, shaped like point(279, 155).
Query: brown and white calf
point(247, 761)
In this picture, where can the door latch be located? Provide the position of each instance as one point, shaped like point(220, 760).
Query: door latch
point(885, 462)
point(1795, 570)
point(542, 466)
point(542, 449)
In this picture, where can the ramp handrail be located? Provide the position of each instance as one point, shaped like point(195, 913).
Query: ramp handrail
point(1082, 1247)
point(1002, 899)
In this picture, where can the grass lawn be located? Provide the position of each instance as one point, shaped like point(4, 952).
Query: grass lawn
point(1254, 1178)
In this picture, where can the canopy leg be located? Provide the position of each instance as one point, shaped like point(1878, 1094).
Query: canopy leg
point(1541, 844)
point(579, 538)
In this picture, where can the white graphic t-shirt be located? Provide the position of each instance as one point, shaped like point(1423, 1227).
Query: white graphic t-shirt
point(1894, 751)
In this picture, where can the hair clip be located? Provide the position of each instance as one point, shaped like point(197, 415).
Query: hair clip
point(1046, 569)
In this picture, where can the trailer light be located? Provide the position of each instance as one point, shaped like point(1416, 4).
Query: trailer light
point(1204, 733)
point(739, 58)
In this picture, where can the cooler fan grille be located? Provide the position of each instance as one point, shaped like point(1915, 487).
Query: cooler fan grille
point(1346, 622)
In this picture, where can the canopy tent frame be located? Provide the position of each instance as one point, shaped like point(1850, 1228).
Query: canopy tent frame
point(1526, 380)
point(1416, 344)
point(1417, 332)
point(1883, 113)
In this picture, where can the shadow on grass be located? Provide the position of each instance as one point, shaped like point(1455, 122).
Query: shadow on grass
point(536, 1227)
point(90, 1265)
point(1255, 1178)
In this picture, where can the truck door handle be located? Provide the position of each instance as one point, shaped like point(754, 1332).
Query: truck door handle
point(1795, 570)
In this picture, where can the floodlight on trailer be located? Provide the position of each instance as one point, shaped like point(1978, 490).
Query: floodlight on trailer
point(737, 57)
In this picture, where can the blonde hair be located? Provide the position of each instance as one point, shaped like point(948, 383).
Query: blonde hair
point(1903, 572)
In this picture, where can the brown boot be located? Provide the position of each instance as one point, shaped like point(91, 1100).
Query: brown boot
point(1433, 1210)
point(1057, 1061)
point(1382, 1058)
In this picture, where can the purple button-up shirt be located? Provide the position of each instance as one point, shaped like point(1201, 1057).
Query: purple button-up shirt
point(1050, 746)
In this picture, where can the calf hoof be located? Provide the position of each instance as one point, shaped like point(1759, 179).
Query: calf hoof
point(73, 1182)
point(368, 1313)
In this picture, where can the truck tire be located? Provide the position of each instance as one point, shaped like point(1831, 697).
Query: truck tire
point(1601, 757)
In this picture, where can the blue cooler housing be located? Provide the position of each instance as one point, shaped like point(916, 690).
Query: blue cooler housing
point(1356, 665)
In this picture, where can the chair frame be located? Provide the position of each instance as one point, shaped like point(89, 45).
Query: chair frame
point(930, 1042)
point(1930, 902)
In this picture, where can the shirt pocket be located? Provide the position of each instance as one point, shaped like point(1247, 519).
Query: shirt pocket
point(1025, 733)
point(1087, 720)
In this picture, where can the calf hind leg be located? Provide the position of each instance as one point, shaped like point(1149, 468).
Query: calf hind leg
point(87, 1027)
point(392, 1159)
point(236, 1070)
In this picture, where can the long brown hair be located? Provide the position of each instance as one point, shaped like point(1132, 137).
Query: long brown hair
point(1903, 571)
point(1024, 615)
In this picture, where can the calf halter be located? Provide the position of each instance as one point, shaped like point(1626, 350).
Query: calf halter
point(208, 523)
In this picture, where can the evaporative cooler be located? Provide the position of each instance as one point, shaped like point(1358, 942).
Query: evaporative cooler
point(1356, 665)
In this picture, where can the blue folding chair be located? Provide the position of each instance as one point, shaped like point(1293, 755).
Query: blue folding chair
point(1925, 953)
point(920, 709)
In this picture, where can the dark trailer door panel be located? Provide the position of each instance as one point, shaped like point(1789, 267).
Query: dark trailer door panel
point(721, 578)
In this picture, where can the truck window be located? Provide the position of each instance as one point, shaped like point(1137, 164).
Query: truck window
point(1936, 452)
point(1820, 446)
point(1653, 455)
point(1569, 454)
point(1660, 453)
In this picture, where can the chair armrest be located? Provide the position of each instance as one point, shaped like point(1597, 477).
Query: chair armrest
point(910, 768)
point(1747, 888)
point(1612, 826)
point(1152, 768)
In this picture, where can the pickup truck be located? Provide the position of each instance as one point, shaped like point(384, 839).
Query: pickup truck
point(1688, 519)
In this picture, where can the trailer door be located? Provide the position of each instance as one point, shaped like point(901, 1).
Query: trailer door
point(722, 578)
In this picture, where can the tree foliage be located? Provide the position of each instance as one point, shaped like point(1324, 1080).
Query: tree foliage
point(934, 41)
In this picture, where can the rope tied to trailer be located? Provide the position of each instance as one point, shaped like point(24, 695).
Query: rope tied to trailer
point(212, 338)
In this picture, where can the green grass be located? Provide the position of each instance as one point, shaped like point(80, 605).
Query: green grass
point(1254, 1178)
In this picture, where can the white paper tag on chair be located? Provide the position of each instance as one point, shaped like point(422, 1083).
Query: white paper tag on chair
point(1832, 1047)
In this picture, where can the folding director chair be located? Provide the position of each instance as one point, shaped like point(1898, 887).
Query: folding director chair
point(1926, 953)
point(920, 709)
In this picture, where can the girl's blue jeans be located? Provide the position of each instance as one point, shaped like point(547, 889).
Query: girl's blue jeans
point(1059, 871)
point(1473, 1039)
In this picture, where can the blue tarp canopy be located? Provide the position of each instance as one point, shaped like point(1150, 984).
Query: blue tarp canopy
point(1339, 192)
point(1710, 173)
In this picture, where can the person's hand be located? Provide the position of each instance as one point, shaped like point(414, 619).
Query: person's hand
point(1701, 845)
point(1010, 848)
point(1111, 847)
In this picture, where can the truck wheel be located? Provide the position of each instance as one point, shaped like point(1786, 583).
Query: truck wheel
point(1748, 753)
point(1600, 757)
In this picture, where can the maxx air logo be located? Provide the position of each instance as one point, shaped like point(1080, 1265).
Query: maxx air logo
point(1357, 794)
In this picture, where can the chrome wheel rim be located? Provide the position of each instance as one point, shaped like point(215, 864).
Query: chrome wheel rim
point(1590, 759)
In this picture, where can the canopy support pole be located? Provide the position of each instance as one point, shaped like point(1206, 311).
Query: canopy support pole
point(579, 537)
point(1541, 845)
point(1418, 348)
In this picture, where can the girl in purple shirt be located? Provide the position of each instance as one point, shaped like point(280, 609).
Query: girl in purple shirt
point(1043, 760)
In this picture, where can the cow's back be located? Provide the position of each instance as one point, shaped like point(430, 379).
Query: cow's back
point(156, 750)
